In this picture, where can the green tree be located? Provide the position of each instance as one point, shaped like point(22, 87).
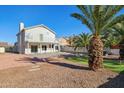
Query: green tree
point(119, 28)
point(110, 38)
point(82, 40)
point(98, 19)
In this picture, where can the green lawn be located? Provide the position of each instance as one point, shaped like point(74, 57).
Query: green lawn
point(109, 64)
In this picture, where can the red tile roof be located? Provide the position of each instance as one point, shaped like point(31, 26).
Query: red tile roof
point(3, 44)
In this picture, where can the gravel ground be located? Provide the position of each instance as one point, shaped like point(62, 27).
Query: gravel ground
point(55, 72)
point(9, 60)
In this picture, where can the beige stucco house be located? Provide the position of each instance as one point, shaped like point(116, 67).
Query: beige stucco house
point(36, 39)
point(63, 42)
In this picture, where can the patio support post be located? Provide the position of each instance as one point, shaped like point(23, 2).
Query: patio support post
point(54, 47)
point(40, 48)
point(59, 47)
point(28, 48)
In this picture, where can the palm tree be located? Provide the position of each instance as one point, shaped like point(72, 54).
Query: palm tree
point(85, 38)
point(119, 28)
point(76, 42)
point(82, 40)
point(98, 19)
point(110, 38)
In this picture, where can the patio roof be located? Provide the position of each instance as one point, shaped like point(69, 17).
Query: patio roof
point(44, 42)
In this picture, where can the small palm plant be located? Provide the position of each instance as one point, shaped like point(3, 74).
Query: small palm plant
point(82, 40)
point(98, 19)
point(85, 38)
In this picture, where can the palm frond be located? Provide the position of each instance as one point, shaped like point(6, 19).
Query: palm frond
point(99, 18)
point(112, 11)
point(115, 20)
point(83, 20)
point(84, 10)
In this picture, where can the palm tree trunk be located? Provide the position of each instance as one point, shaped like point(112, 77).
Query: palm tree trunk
point(95, 53)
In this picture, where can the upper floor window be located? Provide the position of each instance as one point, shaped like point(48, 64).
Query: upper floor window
point(29, 36)
point(41, 37)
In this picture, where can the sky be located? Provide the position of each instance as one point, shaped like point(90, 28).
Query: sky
point(56, 18)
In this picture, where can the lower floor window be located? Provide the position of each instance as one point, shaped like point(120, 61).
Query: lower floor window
point(44, 47)
point(50, 46)
point(56, 47)
point(34, 48)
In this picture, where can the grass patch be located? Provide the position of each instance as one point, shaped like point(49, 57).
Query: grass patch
point(109, 64)
point(82, 60)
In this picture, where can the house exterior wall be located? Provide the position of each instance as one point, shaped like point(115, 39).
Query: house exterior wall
point(33, 35)
point(37, 36)
point(21, 42)
point(63, 42)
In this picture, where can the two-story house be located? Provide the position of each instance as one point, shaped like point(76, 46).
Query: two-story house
point(36, 39)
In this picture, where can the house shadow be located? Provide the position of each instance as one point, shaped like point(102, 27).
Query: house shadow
point(36, 60)
point(116, 82)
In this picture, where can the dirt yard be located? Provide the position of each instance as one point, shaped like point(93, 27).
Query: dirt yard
point(9, 60)
point(27, 71)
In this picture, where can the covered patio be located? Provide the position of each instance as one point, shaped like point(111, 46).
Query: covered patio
point(41, 47)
